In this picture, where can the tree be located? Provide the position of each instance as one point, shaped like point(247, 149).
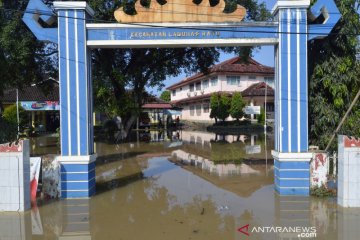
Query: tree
point(334, 78)
point(23, 59)
point(214, 106)
point(117, 70)
point(224, 107)
point(261, 117)
point(8, 131)
point(165, 95)
point(120, 76)
point(10, 116)
point(237, 105)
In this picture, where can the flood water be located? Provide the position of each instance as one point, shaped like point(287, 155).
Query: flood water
point(185, 185)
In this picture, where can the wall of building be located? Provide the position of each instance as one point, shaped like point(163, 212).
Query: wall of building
point(15, 177)
point(222, 85)
point(195, 112)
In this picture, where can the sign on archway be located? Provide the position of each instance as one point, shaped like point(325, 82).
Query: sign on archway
point(183, 24)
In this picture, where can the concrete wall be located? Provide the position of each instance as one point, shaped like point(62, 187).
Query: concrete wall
point(15, 177)
point(348, 172)
point(319, 170)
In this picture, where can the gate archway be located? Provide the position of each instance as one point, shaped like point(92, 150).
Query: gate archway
point(289, 33)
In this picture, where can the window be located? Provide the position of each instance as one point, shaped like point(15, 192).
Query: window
point(270, 107)
point(181, 89)
point(269, 79)
point(214, 81)
point(174, 93)
point(233, 80)
point(253, 77)
point(206, 108)
point(191, 87)
point(198, 110)
point(192, 110)
point(205, 84)
point(198, 86)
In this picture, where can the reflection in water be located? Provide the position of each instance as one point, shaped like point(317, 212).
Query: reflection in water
point(75, 219)
point(15, 226)
point(156, 190)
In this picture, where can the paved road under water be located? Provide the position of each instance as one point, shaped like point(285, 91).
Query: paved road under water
point(157, 191)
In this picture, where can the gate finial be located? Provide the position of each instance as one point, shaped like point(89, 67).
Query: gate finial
point(180, 11)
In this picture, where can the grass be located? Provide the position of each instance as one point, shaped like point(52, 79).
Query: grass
point(322, 191)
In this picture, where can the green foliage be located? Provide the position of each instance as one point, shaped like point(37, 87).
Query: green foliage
point(334, 78)
point(165, 95)
point(261, 116)
point(117, 70)
point(214, 106)
point(10, 116)
point(322, 191)
point(237, 105)
point(8, 131)
point(224, 107)
point(23, 59)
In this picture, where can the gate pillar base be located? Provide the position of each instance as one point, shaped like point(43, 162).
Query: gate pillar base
point(77, 176)
point(292, 173)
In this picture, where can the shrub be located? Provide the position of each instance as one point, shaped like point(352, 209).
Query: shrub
point(261, 117)
point(10, 116)
point(214, 105)
point(8, 131)
point(237, 105)
point(224, 107)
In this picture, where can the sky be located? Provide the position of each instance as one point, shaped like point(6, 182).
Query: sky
point(265, 56)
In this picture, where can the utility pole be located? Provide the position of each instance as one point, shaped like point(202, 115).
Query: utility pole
point(17, 113)
point(343, 119)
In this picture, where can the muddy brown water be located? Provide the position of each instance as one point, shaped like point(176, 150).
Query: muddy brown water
point(171, 189)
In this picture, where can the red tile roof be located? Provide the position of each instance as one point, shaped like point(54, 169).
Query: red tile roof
point(157, 106)
point(233, 65)
point(258, 89)
point(33, 93)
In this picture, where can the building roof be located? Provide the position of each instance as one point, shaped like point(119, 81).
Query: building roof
point(153, 102)
point(45, 91)
point(257, 89)
point(157, 106)
point(234, 65)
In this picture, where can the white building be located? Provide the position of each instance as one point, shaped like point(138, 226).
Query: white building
point(193, 93)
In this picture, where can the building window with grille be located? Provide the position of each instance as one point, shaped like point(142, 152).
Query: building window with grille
point(198, 110)
point(269, 79)
point(214, 81)
point(206, 108)
point(205, 84)
point(192, 110)
point(191, 87)
point(198, 86)
point(252, 77)
point(233, 80)
point(174, 93)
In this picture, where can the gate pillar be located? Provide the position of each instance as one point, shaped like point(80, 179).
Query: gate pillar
point(291, 157)
point(76, 101)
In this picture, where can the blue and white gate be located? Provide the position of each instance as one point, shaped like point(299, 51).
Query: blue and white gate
point(76, 36)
